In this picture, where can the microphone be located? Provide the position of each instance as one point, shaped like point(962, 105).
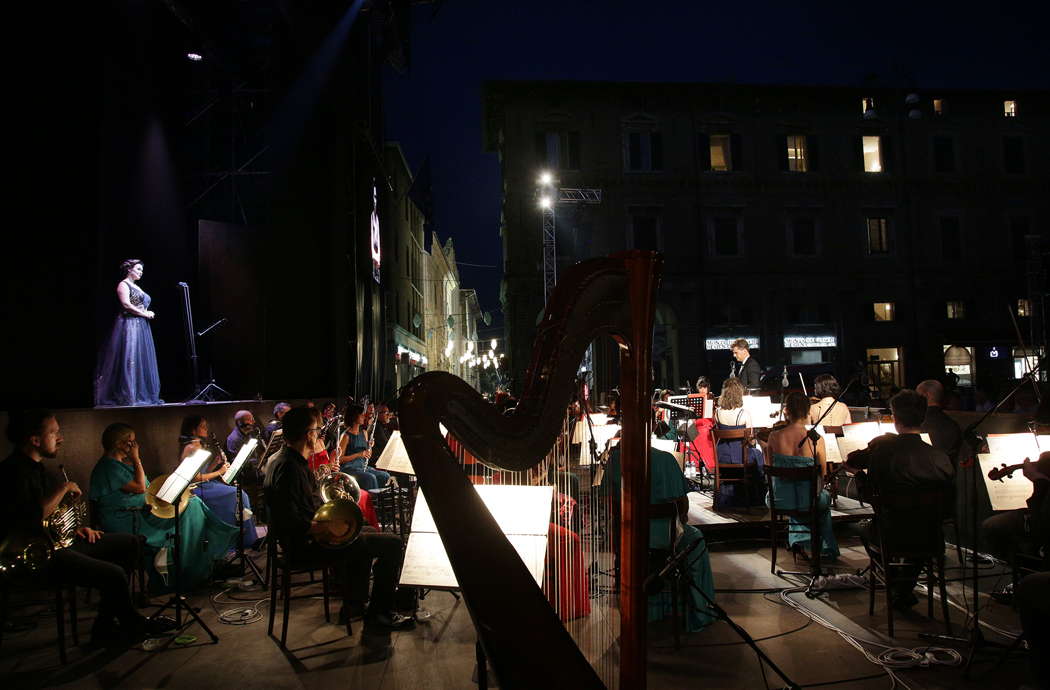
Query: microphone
point(732, 369)
point(784, 378)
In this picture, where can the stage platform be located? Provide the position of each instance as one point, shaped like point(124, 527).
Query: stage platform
point(703, 515)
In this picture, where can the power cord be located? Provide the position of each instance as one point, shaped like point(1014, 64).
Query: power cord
point(237, 615)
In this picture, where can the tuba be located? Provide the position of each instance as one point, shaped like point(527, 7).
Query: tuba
point(523, 636)
point(340, 514)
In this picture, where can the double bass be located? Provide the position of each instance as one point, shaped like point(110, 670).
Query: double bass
point(526, 642)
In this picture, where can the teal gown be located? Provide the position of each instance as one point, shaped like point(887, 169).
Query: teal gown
point(793, 495)
point(198, 527)
point(667, 483)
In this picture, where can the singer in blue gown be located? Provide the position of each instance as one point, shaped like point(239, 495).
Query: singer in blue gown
point(127, 366)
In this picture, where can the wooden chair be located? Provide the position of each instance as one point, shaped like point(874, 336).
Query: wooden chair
point(736, 473)
point(281, 570)
point(908, 529)
point(63, 594)
point(793, 493)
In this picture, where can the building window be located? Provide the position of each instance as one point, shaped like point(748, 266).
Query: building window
point(725, 236)
point(884, 370)
point(959, 360)
point(1013, 155)
point(643, 146)
point(645, 228)
point(878, 235)
point(1010, 108)
point(796, 152)
point(803, 237)
point(951, 238)
point(866, 105)
point(884, 311)
point(1024, 307)
point(872, 148)
point(938, 106)
point(943, 154)
point(1025, 360)
point(721, 146)
point(558, 150)
point(956, 309)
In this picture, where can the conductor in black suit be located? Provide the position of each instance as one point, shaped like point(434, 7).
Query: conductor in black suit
point(746, 368)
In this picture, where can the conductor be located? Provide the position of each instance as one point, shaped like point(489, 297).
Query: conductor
point(745, 367)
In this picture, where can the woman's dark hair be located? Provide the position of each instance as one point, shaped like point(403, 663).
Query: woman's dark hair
point(796, 406)
point(826, 386)
point(353, 411)
point(703, 382)
point(297, 422)
point(126, 266)
point(190, 424)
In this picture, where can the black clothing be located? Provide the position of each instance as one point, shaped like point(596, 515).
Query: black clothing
point(944, 432)
point(382, 437)
point(104, 565)
point(1033, 603)
point(749, 372)
point(1026, 529)
point(903, 462)
point(270, 428)
point(293, 497)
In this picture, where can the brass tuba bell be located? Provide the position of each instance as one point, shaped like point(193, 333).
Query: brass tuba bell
point(340, 515)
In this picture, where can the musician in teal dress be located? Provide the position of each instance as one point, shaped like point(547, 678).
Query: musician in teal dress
point(118, 489)
point(354, 452)
point(782, 450)
point(668, 485)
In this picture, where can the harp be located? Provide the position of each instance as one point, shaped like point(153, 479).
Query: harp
point(525, 638)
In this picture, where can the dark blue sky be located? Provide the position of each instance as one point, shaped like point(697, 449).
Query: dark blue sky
point(435, 109)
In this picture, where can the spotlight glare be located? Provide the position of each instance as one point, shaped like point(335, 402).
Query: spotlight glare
point(546, 178)
point(194, 57)
point(545, 202)
point(493, 343)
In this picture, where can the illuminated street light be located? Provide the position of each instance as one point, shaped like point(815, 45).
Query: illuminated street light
point(545, 202)
point(493, 343)
point(546, 179)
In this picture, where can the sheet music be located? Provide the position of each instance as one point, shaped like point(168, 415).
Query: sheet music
point(395, 456)
point(831, 448)
point(522, 512)
point(178, 480)
point(863, 431)
point(1014, 448)
point(602, 435)
point(238, 461)
point(762, 410)
point(1011, 492)
point(848, 445)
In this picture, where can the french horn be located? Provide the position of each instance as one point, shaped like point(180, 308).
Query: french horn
point(340, 515)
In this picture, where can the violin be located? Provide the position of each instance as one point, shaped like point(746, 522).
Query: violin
point(1002, 472)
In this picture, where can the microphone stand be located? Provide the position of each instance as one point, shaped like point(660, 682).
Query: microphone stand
point(976, 639)
point(677, 564)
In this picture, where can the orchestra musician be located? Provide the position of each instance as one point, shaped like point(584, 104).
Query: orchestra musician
point(102, 561)
point(826, 390)
point(704, 424)
point(219, 497)
point(355, 450)
point(278, 412)
point(293, 497)
point(745, 367)
point(732, 415)
point(782, 450)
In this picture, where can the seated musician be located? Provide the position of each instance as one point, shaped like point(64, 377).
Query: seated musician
point(944, 432)
point(100, 560)
point(278, 412)
point(354, 453)
point(118, 488)
point(244, 429)
point(668, 485)
point(702, 442)
point(384, 426)
point(782, 450)
point(219, 497)
point(826, 389)
point(294, 497)
point(732, 415)
point(903, 462)
point(1025, 530)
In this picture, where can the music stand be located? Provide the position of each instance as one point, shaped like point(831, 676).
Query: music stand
point(232, 478)
point(171, 492)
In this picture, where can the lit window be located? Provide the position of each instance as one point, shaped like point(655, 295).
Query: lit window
point(956, 309)
point(872, 154)
point(938, 106)
point(1024, 307)
point(1025, 360)
point(867, 104)
point(884, 311)
point(1010, 108)
point(796, 153)
point(878, 235)
point(721, 153)
point(959, 360)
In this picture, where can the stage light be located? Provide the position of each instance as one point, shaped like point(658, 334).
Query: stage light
point(545, 202)
point(194, 57)
point(546, 178)
point(492, 343)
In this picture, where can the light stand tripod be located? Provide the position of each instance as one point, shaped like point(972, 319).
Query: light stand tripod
point(678, 565)
point(171, 492)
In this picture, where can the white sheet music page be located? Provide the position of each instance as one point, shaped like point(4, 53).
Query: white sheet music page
point(762, 410)
point(1014, 448)
point(238, 461)
point(178, 480)
point(395, 456)
point(1008, 493)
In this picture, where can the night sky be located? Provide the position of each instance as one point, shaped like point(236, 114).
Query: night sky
point(435, 109)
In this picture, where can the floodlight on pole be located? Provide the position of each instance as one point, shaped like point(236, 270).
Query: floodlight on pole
point(546, 179)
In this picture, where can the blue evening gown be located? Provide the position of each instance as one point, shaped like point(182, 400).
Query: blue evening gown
point(127, 369)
